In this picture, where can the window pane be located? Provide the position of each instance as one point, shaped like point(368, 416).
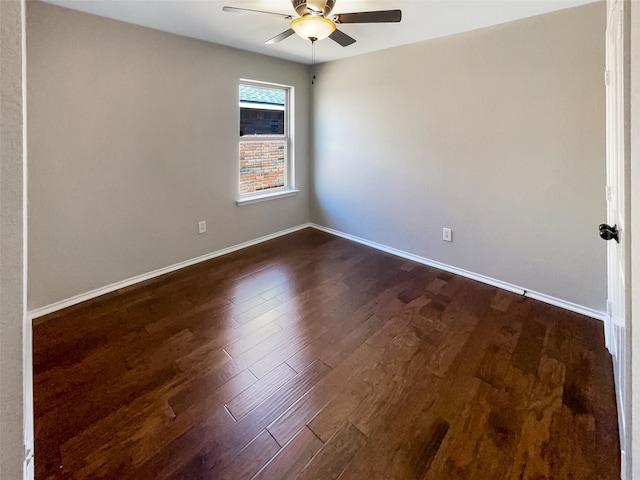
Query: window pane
point(262, 111)
point(262, 165)
point(254, 121)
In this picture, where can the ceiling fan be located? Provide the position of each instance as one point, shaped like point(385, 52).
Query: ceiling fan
point(315, 22)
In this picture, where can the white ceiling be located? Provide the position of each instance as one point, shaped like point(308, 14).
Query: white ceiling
point(422, 20)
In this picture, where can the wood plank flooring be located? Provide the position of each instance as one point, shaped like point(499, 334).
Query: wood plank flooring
point(312, 357)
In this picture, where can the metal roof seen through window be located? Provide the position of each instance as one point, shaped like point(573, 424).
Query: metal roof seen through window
point(270, 96)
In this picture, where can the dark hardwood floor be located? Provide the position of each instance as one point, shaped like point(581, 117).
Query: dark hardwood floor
point(313, 357)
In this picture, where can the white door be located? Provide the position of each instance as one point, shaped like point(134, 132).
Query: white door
point(615, 329)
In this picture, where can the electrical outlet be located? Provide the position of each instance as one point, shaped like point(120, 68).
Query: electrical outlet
point(202, 226)
point(446, 235)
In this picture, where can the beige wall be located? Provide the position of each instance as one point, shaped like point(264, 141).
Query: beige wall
point(132, 140)
point(498, 134)
point(15, 399)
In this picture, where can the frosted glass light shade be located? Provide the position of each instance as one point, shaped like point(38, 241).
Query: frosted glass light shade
point(313, 26)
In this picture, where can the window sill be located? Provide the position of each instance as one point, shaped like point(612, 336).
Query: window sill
point(265, 197)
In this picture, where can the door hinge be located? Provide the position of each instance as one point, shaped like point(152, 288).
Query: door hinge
point(609, 193)
point(607, 76)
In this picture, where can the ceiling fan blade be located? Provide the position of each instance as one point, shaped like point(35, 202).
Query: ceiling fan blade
point(279, 38)
point(342, 38)
point(260, 12)
point(381, 16)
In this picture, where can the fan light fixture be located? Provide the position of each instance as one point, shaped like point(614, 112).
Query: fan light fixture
point(313, 27)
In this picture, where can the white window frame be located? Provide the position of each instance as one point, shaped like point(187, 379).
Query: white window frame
point(289, 162)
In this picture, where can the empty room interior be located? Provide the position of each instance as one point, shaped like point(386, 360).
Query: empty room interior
point(373, 255)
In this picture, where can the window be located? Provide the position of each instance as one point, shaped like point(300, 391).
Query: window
point(266, 166)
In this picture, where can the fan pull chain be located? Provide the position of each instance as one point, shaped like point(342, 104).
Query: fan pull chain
point(313, 59)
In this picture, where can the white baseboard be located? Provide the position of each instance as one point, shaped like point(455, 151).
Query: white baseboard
point(589, 312)
point(573, 307)
point(39, 312)
point(54, 307)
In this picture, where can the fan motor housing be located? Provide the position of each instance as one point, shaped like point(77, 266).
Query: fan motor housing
point(313, 7)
